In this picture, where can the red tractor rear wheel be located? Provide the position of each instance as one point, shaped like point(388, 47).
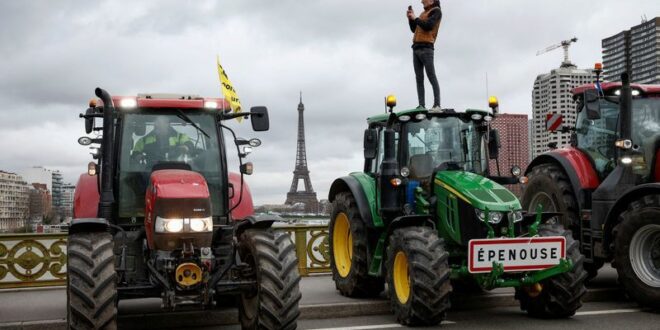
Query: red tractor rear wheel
point(550, 187)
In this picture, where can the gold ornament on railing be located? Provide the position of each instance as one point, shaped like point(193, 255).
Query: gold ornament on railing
point(32, 261)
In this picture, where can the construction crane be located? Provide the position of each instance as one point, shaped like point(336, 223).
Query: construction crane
point(565, 44)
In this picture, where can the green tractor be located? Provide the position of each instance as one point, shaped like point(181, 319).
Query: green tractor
point(425, 215)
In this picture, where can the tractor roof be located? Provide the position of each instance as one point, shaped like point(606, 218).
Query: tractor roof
point(176, 101)
point(612, 86)
point(412, 112)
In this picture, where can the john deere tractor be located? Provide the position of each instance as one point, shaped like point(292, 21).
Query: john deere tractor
point(160, 215)
point(425, 215)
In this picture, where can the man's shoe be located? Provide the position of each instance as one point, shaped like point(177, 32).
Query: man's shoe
point(436, 108)
point(420, 107)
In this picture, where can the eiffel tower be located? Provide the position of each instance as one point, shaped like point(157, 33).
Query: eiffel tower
point(307, 196)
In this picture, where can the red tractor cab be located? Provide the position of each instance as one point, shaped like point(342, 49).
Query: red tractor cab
point(607, 183)
point(160, 215)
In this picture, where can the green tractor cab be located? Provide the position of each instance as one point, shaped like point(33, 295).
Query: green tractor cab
point(425, 215)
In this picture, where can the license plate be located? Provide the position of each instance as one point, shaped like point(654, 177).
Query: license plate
point(516, 254)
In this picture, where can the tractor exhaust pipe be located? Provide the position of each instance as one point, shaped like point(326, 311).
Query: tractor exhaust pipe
point(107, 198)
point(389, 199)
point(625, 107)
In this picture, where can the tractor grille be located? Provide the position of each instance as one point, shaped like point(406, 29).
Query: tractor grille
point(471, 227)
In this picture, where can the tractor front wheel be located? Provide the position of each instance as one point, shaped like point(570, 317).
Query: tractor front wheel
point(418, 276)
point(91, 281)
point(348, 246)
point(637, 251)
point(558, 296)
point(273, 263)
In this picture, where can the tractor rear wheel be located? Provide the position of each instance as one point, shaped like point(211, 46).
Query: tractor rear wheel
point(637, 250)
point(348, 246)
point(418, 276)
point(91, 281)
point(559, 296)
point(274, 302)
point(550, 187)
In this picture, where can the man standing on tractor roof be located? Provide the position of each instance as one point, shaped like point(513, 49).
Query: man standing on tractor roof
point(425, 29)
point(163, 143)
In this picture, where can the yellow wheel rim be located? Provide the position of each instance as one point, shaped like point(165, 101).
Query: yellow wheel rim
point(342, 244)
point(401, 277)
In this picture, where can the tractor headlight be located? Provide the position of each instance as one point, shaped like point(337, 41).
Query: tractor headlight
point(517, 216)
point(169, 225)
point(494, 217)
point(201, 224)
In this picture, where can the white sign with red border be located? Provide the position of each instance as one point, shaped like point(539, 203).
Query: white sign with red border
point(516, 254)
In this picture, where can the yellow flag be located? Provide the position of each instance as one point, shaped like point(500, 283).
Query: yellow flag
point(228, 90)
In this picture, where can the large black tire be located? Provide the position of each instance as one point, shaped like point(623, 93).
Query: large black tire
point(551, 187)
point(418, 254)
point(274, 303)
point(560, 295)
point(91, 281)
point(353, 280)
point(637, 251)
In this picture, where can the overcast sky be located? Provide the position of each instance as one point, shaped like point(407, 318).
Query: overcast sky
point(344, 55)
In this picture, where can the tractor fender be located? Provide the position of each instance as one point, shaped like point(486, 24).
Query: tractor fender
point(349, 183)
point(577, 167)
point(259, 221)
point(246, 206)
point(86, 225)
point(86, 197)
point(621, 205)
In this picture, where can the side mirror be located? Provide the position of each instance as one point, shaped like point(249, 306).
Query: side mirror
point(493, 144)
point(259, 119)
point(592, 104)
point(89, 121)
point(370, 143)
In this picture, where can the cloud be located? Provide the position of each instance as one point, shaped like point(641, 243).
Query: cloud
point(344, 55)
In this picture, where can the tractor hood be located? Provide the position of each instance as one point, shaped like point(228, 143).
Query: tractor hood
point(478, 191)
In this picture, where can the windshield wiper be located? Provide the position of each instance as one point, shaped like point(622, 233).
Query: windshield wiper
point(189, 121)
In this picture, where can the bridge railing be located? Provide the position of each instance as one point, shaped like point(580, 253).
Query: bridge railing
point(32, 260)
point(37, 260)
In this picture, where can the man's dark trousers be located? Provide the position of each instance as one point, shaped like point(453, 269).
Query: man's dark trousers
point(423, 58)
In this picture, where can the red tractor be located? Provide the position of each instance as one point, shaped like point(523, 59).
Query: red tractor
point(159, 215)
point(607, 183)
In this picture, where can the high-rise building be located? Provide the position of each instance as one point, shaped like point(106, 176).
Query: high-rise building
point(530, 138)
point(14, 199)
point(38, 174)
point(636, 51)
point(552, 95)
point(67, 200)
point(53, 181)
point(514, 144)
point(40, 202)
point(58, 183)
